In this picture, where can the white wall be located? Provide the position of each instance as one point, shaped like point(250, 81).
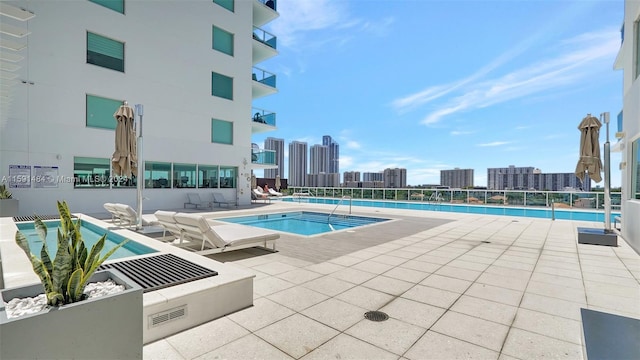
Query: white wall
point(631, 126)
point(168, 65)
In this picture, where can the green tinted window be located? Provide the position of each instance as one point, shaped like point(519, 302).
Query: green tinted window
point(157, 174)
point(228, 177)
point(91, 172)
point(227, 4)
point(222, 41)
point(105, 52)
point(115, 5)
point(207, 176)
point(221, 132)
point(100, 112)
point(221, 86)
point(184, 175)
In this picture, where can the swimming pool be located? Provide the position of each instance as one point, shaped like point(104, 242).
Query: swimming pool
point(91, 233)
point(304, 222)
point(561, 214)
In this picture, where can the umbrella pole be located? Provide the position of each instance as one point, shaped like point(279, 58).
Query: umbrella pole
point(604, 117)
point(140, 183)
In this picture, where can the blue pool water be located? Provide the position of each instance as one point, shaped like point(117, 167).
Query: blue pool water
point(561, 214)
point(304, 222)
point(91, 233)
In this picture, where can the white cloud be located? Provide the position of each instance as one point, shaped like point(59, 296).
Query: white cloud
point(494, 143)
point(459, 132)
point(300, 16)
point(581, 57)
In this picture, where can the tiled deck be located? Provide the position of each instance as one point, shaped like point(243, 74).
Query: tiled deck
point(462, 286)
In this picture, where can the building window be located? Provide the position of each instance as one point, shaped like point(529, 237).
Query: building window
point(635, 170)
point(222, 41)
point(207, 176)
point(105, 52)
point(221, 132)
point(91, 172)
point(637, 45)
point(184, 176)
point(221, 86)
point(100, 112)
point(228, 177)
point(157, 175)
point(227, 4)
point(115, 5)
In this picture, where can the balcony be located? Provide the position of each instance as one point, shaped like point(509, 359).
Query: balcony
point(264, 11)
point(264, 83)
point(263, 119)
point(263, 159)
point(264, 45)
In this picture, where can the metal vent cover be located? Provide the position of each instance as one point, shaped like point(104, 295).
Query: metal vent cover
point(33, 217)
point(376, 316)
point(160, 271)
point(163, 317)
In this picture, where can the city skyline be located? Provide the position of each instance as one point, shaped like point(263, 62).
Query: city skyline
point(436, 98)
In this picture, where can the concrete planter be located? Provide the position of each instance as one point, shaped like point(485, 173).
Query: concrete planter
point(8, 207)
point(107, 327)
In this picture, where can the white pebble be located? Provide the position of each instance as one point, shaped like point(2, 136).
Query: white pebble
point(30, 305)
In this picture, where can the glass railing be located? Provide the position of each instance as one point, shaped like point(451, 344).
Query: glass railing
point(560, 199)
point(264, 37)
point(264, 77)
point(264, 116)
point(264, 157)
point(273, 4)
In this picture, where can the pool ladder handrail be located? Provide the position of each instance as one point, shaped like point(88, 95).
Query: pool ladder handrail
point(335, 208)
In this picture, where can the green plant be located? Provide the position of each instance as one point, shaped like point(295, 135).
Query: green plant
point(4, 193)
point(65, 278)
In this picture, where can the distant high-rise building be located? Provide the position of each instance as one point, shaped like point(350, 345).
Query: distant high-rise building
point(351, 176)
point(457, 178)
point(334, 154)
point(276, 145)
point(297, 163)
point(562, 181)
point(372, 176)
point(510, 178)
point(529, 178)
point(318, 159)
point(323, 179)
point(395, 178)
point(351, 179)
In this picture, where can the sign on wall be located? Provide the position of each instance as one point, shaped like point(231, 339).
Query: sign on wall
point(45, 176)
point(19, 176)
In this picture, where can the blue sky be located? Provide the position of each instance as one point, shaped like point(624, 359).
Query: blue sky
point(433, 85)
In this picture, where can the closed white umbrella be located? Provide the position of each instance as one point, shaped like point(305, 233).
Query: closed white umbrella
point(278, 183)
point(124, 159)
point(590, 161)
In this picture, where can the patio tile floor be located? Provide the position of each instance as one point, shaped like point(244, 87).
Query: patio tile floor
point(448, 294)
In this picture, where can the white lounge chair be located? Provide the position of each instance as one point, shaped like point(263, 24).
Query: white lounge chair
point(194, 199)
point(216, 238)
point(115, 215)
point(219, 199)
point(129, 216)
point(168, 223)
point(274, 193)
point(258, 194)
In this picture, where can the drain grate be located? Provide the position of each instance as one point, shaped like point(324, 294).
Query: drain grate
point(376, 316)
point(160, 271)
point(33, 217)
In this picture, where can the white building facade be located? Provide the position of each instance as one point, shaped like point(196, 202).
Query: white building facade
point(191, 64)
point(628, 132)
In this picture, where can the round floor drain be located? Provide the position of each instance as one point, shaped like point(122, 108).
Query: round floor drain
point(376, 316)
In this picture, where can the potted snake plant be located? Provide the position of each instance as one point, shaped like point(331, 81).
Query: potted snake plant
point(8, 205)
point(72, 325)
